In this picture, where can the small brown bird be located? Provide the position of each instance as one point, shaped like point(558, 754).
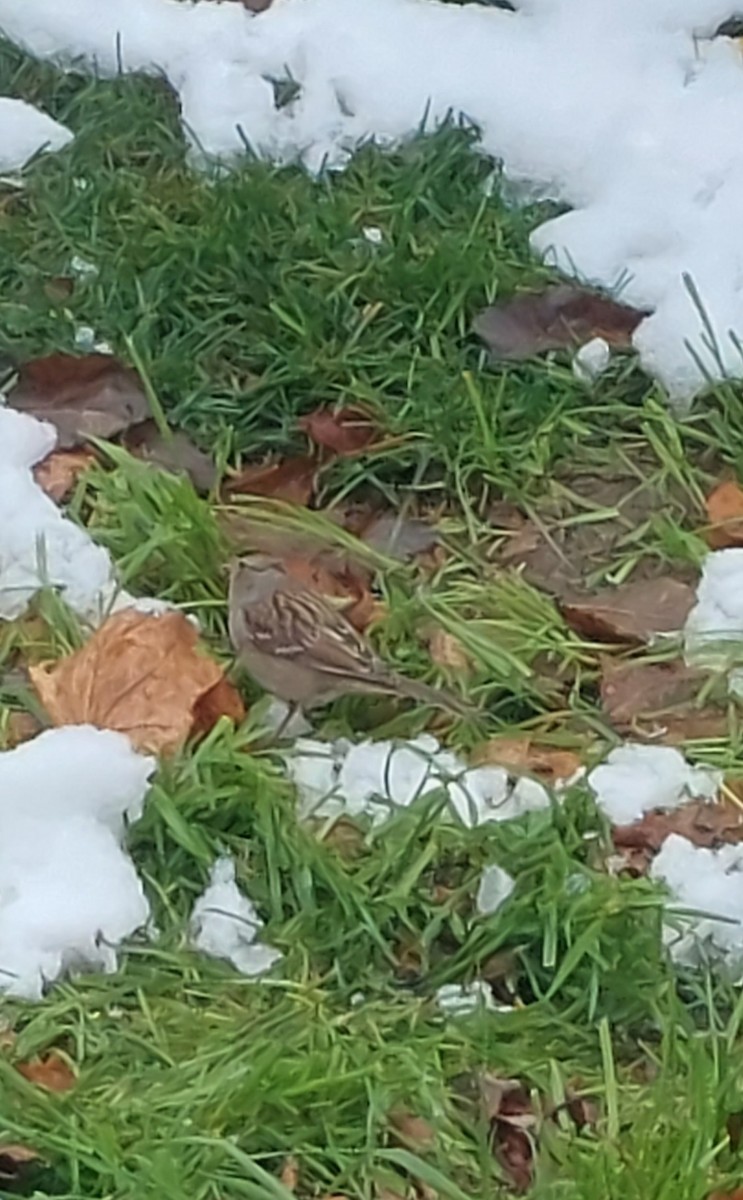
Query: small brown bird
point(300, 648)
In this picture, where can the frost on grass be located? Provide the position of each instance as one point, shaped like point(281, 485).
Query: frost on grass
point(69, 893)
point(224, 924)
point(372, 779)
point(626, 113)
point(39, 546)
point(26, 132)
point(635, 779)
point(706, 910)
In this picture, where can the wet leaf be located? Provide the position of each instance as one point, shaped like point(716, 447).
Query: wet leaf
point(522, 755)
point(289, 479)
point(633, 613)
point(140, 674)
point(634, 690)
point(175, 453)
point(343, 431)
point(58, 473)
point(222, 700)
point(725, 514)
point(704, 824)
point(95, 395)
point(50, 1071)
point(561, 317)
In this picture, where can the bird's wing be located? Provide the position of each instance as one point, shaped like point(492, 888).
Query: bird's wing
point(293, 625)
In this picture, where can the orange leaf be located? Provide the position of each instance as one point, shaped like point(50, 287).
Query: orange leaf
point(519, 754)
point(736, 1195)
point(139, 674)
point(51, 1072)
point(58, 473)
point(725, 511)
point(447, 651)
point(344, 431)
point(289, 479)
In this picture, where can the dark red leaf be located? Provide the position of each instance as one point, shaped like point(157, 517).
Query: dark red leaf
point(344, 431)
point(95, 395)
point(561, 317)
point(290, 479)
point(632, 613)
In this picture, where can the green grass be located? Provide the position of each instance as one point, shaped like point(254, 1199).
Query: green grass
point(250, 302)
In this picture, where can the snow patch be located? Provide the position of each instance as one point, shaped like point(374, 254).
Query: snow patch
point(496, 885)
point(224, 924)
point(713, 634)
point(26, 132)
point(69, 894)
point(708, 886)
point(463, 999)
point(371, 779)
point(635, 779)
point(620, 111)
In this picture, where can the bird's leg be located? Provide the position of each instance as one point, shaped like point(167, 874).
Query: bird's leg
point(292, 710)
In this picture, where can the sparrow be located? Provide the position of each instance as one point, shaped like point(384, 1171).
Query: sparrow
point(300, 648)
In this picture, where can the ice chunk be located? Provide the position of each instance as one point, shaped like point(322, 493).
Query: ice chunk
point(25, 132)
point(69, 894)
point(710, 884)
point(486, 794)
point(591, 360)
point(463, 999)
point(224, 924)
point(496, 885)
point(636, 779)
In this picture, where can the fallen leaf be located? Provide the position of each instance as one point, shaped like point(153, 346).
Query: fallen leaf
point(289, 1174)
point(345, 837)
point(736, 1195)
point(343, 431)
point(634, 690)
point(222, 700)
point(399, 536)
point(19, 727)
point(95, 395)
point(14, 1157)
point(520, 754)
point(339, 582)
point(58, 473)
point(59, 288)
point(175, 453)
point(724, 508)
point(506, 1104)
point(51, 1072)
point(584, 1111)
point(633, 613)
point(704, 824)
point(447, 651)
point(140, 674)
point(414, 1132)
point(560, 317)
point(289, 479)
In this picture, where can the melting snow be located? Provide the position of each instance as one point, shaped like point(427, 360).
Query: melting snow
point(25, 132)
point(370, 779)
point(713, 634)
point(224, 924)
point(69, 893)
point(496, 885)
point(636, 779)
point(619, 109)
point(710, 884)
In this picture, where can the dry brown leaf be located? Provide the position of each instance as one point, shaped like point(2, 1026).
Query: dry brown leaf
point(346, 838)
point(51, 1072)
point(289, 479)
point(289, 1174)
point(704, 824)
point(95, 395)
point(632, 613)
point(340, 582)
point(520, 754)
point(343, 431)
point(507, 1105)
point(414, 1132)
point(175, 453)
point(398, 536)
point(447, 651)
point(58, 473)
point(140, 674)
point(725, 513)
point(634, 690)
point(560, 317)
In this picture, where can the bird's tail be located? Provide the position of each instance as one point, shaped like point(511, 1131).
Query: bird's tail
point(434, 696)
